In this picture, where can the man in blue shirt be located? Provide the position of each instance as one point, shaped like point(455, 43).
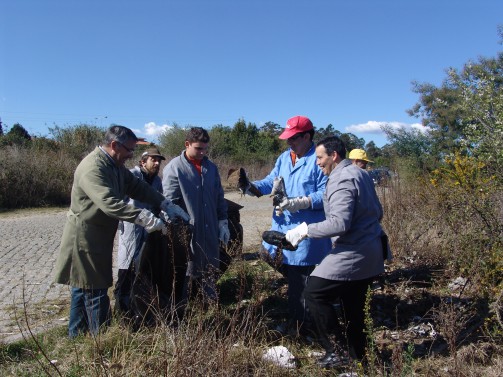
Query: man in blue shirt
point(304, 184)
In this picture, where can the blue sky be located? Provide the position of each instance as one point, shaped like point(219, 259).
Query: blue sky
point(149, 64)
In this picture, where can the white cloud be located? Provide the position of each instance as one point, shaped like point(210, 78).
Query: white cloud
point(154, 130)
point(374, 127)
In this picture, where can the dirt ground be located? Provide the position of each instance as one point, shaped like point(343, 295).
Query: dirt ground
point(255, 216)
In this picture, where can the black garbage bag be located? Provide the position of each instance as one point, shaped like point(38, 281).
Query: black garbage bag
point(234, 248)
point(160, 270)
point(277, 239)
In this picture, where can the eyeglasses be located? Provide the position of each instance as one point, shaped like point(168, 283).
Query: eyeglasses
point(130, 150)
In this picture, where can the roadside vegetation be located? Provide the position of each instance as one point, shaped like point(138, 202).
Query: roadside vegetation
point(436, 312)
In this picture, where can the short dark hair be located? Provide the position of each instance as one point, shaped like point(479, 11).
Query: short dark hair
point(333, 144)
point(119, 133)
point(197, 135)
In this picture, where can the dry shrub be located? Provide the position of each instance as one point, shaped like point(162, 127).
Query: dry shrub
point(31, 177)
point(450, 218)
point(412, 222)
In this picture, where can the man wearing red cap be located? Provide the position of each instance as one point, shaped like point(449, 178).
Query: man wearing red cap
point(304, 184)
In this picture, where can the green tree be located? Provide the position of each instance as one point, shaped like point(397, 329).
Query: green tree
point(78, 140)
point(322, 133)
point(481, 101)
point(373, 151)
point(412, 145)
point(244, 139)
point(271, 128)
point(18, 131)
point(172, 141)
point(352, 141)
point(17, 135)
point(466, 112)
point(220, 137)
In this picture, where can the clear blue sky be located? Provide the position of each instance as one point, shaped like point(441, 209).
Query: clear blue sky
point(148, 64)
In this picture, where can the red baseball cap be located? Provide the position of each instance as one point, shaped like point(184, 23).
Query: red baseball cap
point(296, 125)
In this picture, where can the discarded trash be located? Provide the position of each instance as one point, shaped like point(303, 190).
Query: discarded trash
point(457, 283)
point(423, 330)
point(281, 356)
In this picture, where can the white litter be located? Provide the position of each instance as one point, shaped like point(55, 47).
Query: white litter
point(457, 283)
point(281, 356)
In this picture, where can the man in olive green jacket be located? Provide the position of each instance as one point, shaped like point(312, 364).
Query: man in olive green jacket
point(101, 182)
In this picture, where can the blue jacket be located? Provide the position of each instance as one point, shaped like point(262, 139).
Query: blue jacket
point(303, 179)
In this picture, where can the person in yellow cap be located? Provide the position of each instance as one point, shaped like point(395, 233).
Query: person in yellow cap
point(359, 158)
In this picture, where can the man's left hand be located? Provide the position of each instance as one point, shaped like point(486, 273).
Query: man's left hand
point(297, 234)
point(173, 211)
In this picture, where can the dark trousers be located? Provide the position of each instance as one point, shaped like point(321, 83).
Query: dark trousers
point(320, 295)
point(122, 291)
point(297, 277)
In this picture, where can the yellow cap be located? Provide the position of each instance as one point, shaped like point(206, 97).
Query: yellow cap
point(358, 154)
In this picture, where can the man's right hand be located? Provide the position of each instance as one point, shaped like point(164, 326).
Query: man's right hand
point(173, 211)
point(147, 220)
point(245, 186)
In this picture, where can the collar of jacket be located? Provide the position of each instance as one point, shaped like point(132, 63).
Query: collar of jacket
point(302, 160)
point(341, 165)
point(110, 159)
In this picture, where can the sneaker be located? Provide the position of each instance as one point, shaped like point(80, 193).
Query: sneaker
point(332, 360)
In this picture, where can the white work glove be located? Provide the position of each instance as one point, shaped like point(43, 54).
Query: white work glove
point(297, 234)
point(224, 233)
point(173, 211)
point(147, 220)
point(295, 204)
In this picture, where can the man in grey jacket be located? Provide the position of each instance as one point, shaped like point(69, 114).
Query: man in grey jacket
point(353, 213)
point(192, 181)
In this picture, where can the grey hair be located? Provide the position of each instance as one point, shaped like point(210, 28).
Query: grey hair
point(119, 133)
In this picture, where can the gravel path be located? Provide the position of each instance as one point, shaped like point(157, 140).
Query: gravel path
point(29, 244)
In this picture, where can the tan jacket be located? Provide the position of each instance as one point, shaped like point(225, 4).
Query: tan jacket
point(97, 205)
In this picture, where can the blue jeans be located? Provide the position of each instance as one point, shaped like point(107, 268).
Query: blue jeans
point(89, 310)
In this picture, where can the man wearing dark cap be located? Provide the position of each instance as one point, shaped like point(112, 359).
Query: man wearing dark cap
point(304, 184)
point(131, 236)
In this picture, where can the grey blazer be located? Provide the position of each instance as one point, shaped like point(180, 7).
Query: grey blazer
point(352, 211)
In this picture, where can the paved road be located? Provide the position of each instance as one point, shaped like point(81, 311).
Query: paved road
point(29, 243)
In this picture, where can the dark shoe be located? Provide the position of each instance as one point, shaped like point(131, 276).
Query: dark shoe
point(282, 328)
point(332, 360)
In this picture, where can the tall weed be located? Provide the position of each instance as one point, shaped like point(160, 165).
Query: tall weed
point(31, 177)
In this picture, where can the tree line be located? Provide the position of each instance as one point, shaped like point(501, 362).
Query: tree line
point(463, 118)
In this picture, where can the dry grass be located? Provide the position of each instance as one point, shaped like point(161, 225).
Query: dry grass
point(421, 326)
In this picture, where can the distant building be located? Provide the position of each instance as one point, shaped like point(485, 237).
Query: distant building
point(142, 141)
